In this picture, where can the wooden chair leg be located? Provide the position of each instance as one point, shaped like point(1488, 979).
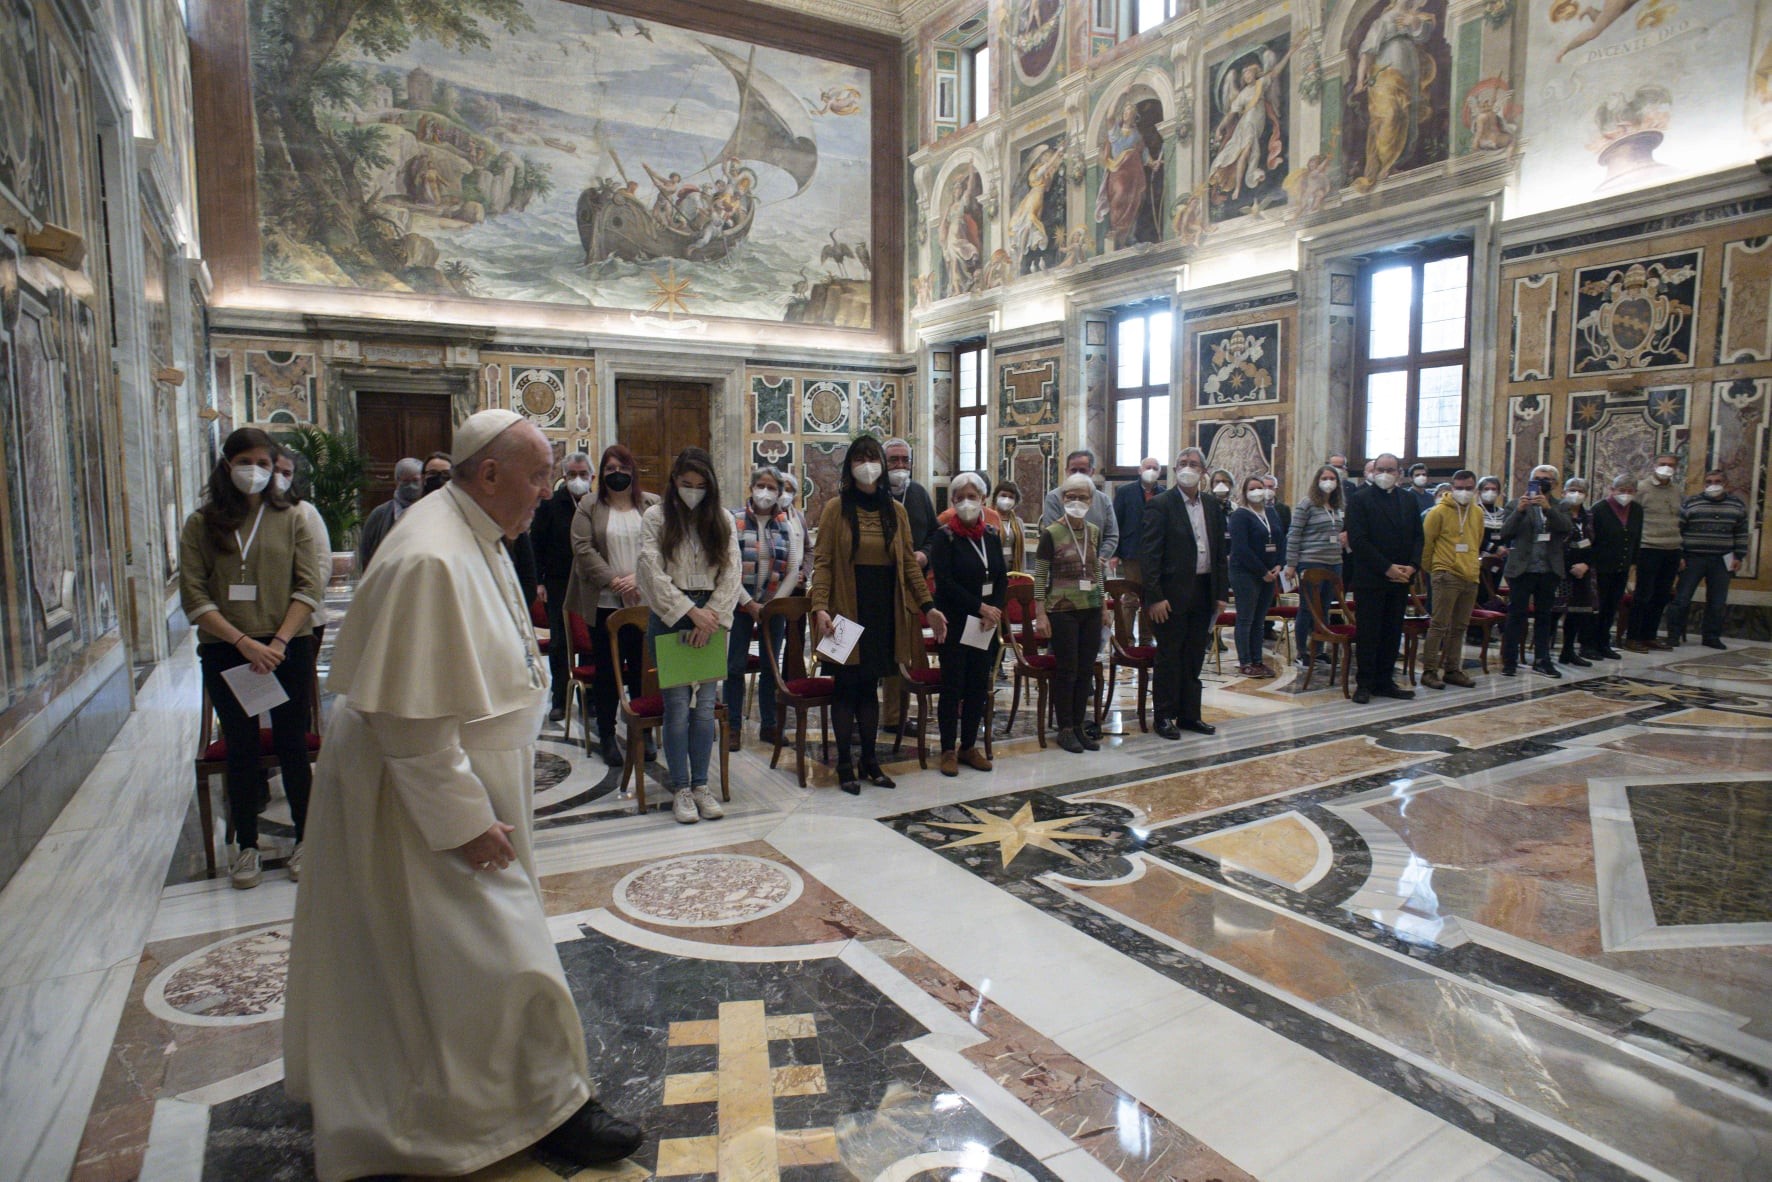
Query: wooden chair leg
point(904, 710)
point(800, 748)
point(824, 739)
point(633, 763)
point(1144, 688)
point(206, 817)
point(1014, 700)
point(1310, 665)
point(923, 731)
point(1040, 716)
point(725, 758)
point(1347, 668)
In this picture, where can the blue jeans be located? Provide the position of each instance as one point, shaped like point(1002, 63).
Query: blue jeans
point(738, 649)
point(689, 730)
point(1325, 600)
point(1713, 572)
point(1254, 595)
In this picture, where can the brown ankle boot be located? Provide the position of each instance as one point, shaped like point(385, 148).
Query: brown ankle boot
point(950, 764)
point(974, 757)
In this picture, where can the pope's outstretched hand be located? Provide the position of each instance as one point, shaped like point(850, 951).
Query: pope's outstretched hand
point(491, 850)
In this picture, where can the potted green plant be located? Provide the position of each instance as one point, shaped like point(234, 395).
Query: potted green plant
point(337, 470)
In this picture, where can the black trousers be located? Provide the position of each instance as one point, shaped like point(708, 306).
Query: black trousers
point(603, 685)
point(1076, 638)
point(559, 640)
point(1609, 590)
point(1656, 570)
point(289, 735)
point(1534, 597)
point(1713, 572)
point(855, 706)
point(1378, 632)
point(1181, 653)
point(966, 675)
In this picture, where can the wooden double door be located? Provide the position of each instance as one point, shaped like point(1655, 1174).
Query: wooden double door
point(393, 425)
point(656, 419)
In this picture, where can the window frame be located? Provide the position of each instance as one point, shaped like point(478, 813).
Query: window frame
point(1117, 394)
point(1413, 361)
point(964, 352)
point(1171, 10)
point(970, 82)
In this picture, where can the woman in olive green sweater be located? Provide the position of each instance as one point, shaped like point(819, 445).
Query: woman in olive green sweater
point(250, 581)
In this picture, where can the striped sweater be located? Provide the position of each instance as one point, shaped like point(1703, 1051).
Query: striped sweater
point(1315, 535)
point(1714, 525)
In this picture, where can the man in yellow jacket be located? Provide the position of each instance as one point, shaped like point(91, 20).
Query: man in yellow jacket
point(1452, 535)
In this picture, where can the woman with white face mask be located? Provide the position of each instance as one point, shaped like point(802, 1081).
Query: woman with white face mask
point(1007, 501)
point(1258, 546)
point(1576, 593)
point(250, 579)
point(971, 582)
point(1068, 577)
point(769, 557)
point(291, 478)
point(689, 575)
point(1318, 539)
point(866, 571)
point(1617, 527)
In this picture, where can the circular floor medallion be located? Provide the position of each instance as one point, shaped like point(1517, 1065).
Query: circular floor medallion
point(233, 982)
point(550, 770)
point(708, 890)
point(945, 1164)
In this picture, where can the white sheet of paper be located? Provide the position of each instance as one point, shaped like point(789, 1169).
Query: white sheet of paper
point(256, 692)
point(978, 634)
point(1288, 583)
point(841, 640)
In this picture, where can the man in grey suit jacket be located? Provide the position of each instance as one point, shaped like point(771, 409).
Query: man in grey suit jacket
point(1186, 583)
point(1535, 531)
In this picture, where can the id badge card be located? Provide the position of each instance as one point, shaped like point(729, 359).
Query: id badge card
point(242, 592)
point(1584, 543)
point(1542, 538)
point(984, 592)
point(1272, 548)
point(1085, 584)
point(1461, 548)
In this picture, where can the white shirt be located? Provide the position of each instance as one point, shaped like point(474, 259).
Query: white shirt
point(621, 537)
point(1196, 515)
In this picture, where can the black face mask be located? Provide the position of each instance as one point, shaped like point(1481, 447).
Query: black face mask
point(407, 493)
point(617, 481)
point(435, 481)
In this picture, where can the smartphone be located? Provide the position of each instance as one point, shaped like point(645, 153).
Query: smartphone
point(1535, 488)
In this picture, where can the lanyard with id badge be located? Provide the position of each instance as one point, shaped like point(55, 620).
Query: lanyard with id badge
point(1084, 583)
point(987, 587)
point(243, 591)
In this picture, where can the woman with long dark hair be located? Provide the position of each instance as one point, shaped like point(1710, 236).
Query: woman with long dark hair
point(250, 579)
point(866, 570)
point(1316, 539)
point(689, 575)
point(605, 564)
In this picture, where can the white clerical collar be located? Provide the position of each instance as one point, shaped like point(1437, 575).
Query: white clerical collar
point(486, 529)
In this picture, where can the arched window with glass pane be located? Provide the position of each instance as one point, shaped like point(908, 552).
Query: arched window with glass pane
point(1413, 362)
point(1142, 353)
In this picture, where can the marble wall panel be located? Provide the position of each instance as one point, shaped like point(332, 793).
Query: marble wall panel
point(1745, 333)
point(281, 386)
point(1244, 447)
point(1534, 321)
point(1636, 314)
point(1240, 365)
point(1610, 432)
point(1238, 374)
point(1739, 435)
point(1031, 461)
point(794, 415)
point(1527, 440)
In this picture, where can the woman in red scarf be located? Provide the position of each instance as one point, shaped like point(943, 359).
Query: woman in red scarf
point(966, 563)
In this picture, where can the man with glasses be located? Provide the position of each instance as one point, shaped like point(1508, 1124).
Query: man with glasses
point(1384, 539)
point(1187, 580)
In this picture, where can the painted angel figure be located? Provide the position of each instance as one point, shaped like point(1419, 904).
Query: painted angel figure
point(839, 100)
point(1248, 139)
point(1027, 225)
point(1487, 109)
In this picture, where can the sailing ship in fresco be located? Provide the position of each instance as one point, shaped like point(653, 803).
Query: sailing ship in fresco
point(704, 221)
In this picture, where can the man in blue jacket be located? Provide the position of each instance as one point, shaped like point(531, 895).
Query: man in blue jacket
point(1384, 542)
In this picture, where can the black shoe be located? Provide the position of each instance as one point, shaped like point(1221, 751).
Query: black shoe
point(1067, 738)
point(1508, 670)
point(1362, 696)
point(612, 753)
point(1195, 725)
point(557, 714)
point(1091, 742)
point(1547, 669)
point(847, 782)
point(1612, 654)
point(1713, 642)
point(593, 1136)
point(1578, 662)
point(890, 728)
point(877, 777)
point(1594, 654)
point(1167, 729)
point(651, 748)
point(1393, 691)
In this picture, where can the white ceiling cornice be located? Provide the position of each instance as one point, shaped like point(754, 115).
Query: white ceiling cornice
point(882, 17)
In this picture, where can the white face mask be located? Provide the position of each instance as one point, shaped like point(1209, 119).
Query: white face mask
point(899, 477)
point(1664, 473)
point(1575, 498)
point(1625, 499)
point(1489, 496)
point(1461, 496)
point(1149, 476)
point(764, 498)
point(867, 472)
point(1222, 489)
point(1328, 486)
point(578, 486)
point(281, 482)
point(1188, 477)
point(1076, 510)
point(1255, 496)
point(1005, 504)
point(1421, 480)
point(250, 478)
point(1713, 490)
point(1385, 480)
point(691, 496)
point(968, 510)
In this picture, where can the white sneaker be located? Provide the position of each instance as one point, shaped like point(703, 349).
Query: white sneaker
point(245, 872)
point(684, 808)
point(294, 863)
point(705, 803)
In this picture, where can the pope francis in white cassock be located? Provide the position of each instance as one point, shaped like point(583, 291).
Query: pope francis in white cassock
point(428, 1021)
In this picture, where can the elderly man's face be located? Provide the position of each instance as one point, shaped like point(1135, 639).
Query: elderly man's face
point(579, 468)
point(898, 458)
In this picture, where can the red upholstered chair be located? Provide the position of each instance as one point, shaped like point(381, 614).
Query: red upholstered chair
point(1338, 636)
point(645, 711)
point(1226, 619)
point(1416, 621)
point(1486, 621)
point(1032, 662)
point(538, 616)
point(1128, 607)
point(795, 687)
point(212, 761)
point(925, 685)
point(582, 672)
point(1287, 615)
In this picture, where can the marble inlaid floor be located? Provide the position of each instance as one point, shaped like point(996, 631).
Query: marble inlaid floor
point(1521, 931)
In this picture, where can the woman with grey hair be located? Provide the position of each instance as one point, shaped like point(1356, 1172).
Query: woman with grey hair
point(1068, 577)
point(1617, 530)
point(1536, 532)
point(971, 581)
point(770, 554)
point(1576, 595)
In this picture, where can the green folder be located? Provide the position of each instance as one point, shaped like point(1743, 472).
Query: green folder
point(679, 664)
